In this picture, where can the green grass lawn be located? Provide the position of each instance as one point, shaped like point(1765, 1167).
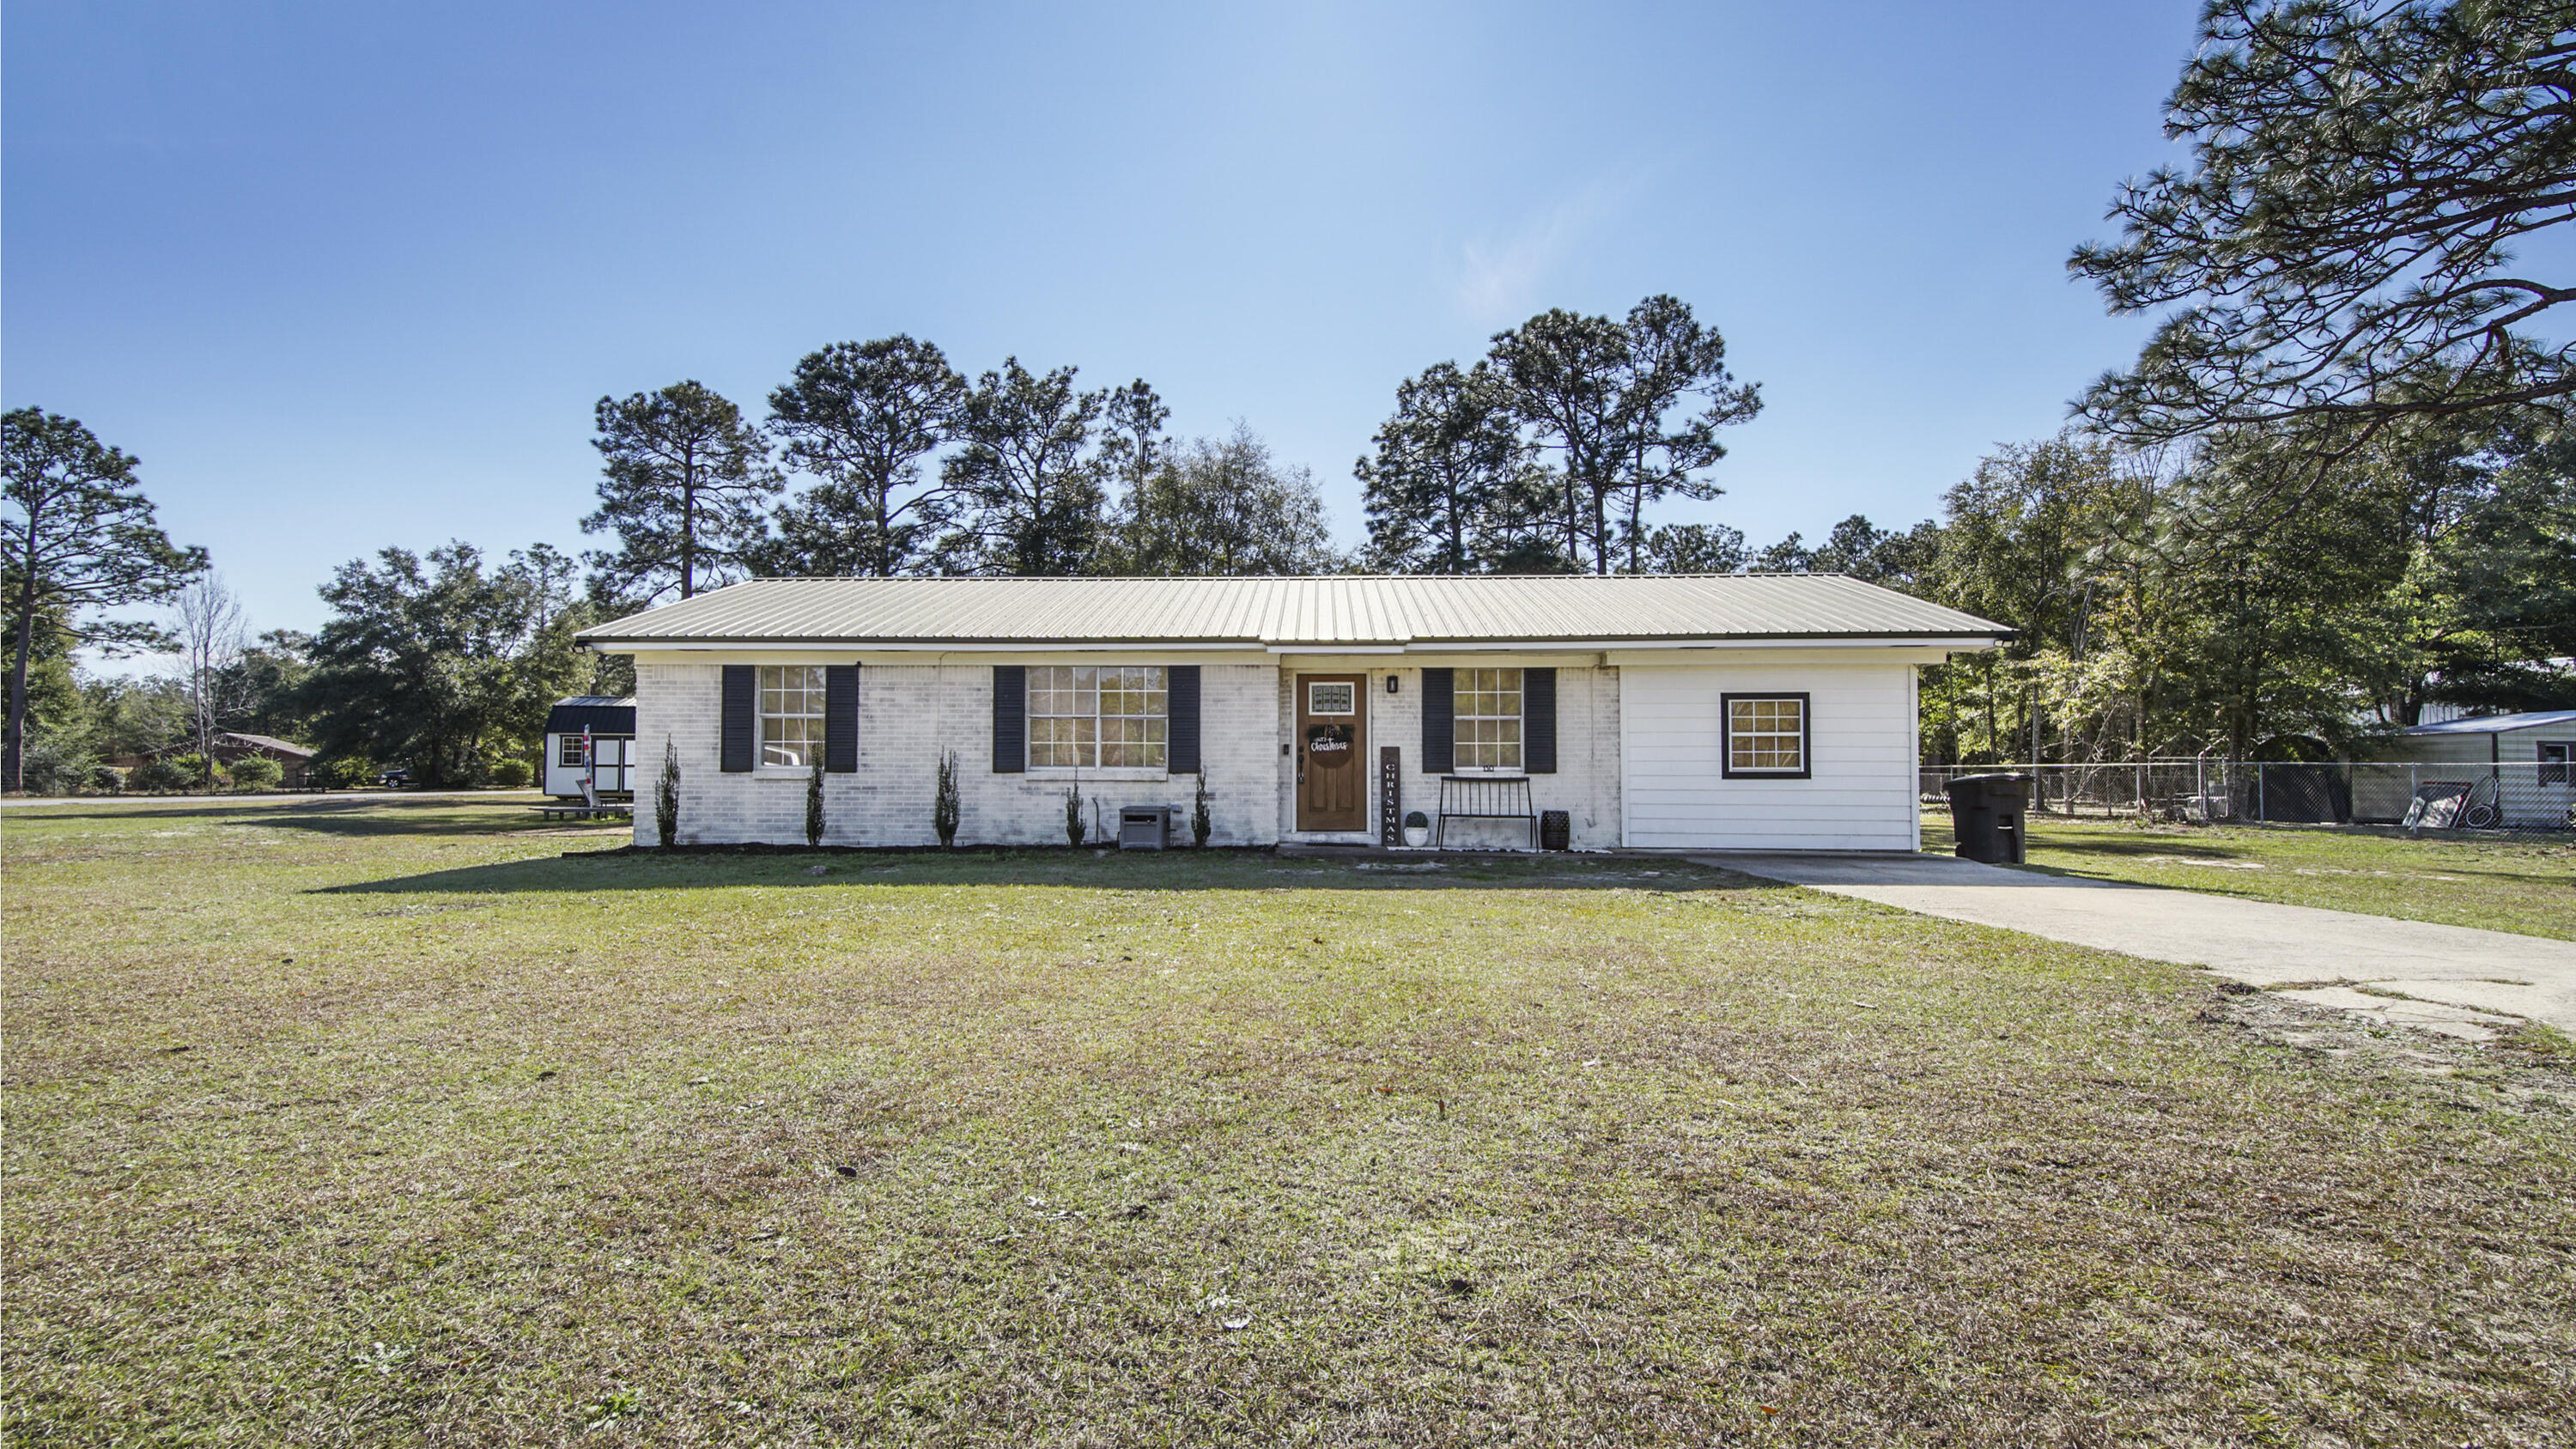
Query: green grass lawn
point(385, 1123)
point(2500, 884)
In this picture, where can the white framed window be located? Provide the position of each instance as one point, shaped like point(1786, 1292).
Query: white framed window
point(2554, 760)
point(1334, 697)
point(1105, 717)
point(1765, 736)
point(791, 715)
point(1486, 720)
point(571, 752)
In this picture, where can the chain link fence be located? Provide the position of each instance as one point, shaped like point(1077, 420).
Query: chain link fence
point(2515, 797)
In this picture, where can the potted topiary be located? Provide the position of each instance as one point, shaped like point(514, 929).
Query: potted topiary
point(1417, 829)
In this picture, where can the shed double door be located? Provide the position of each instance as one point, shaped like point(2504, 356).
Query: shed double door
point(1332, 739)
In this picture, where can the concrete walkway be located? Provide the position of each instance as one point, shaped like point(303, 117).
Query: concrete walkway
point(2460, 981)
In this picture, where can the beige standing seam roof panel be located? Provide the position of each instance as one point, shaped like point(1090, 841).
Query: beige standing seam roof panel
point(1358, 610)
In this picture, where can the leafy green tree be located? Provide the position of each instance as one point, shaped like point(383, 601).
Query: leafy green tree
point(2362, 172)
point(76, 534)
point(268, 677)
point(860, 417)
point(1789, 556)
point(56, 709)
point(2484, 603)
point(683, 485)
point(1630, 410)
point(1450, 487)
point(1696, 548)
point(1224, 507)
point(1862, 550)
point(438, 663)
point(126, 717)
point(1028, 483)
point(1131, 436)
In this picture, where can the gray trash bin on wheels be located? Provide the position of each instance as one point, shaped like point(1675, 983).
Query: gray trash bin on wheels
point(1986, 815)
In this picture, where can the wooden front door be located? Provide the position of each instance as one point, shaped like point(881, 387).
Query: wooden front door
point(1332, 739)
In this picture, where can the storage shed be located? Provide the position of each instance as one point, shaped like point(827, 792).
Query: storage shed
point(608, 727)
point(2521, 763)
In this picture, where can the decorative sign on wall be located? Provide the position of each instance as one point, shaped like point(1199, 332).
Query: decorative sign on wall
point(1390, 796)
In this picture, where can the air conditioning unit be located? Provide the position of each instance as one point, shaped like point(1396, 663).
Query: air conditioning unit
point(1144, 827)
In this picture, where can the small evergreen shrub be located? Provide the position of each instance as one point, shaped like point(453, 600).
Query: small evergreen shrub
point(1202, 818)
point(344, 772)
point(196, 772)
point(513, 773)
point(54, 767)
point(1073, 831)
point(814, 804)
point(157, 776)
point(106, 780)
point(945, 808)
point(666, 796)
point(258, 772)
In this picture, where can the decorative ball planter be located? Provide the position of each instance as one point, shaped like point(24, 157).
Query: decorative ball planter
point(1417, 829)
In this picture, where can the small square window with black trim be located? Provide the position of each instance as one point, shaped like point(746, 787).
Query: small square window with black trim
point(1764, 736)
point(2555, 762)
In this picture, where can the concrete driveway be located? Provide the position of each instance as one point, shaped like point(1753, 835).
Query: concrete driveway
point(2454, 979)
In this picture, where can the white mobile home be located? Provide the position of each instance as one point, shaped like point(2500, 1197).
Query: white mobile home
point(1760, 712)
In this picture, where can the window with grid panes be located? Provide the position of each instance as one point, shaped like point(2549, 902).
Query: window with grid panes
point(1107, 717)
point(791, 715)
point(1486, 719)
point(571, 754)
point(1766, 736)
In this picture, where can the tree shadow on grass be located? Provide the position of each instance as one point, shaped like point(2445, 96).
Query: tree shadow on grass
point(1063, 870)
point(325, 815)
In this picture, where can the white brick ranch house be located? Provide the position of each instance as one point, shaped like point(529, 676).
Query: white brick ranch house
point(1767, 712)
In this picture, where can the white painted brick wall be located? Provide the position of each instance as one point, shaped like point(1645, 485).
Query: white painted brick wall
point(908, 714)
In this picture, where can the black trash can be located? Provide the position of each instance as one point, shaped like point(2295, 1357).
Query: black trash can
point(1555, 830)
point(1986, 815)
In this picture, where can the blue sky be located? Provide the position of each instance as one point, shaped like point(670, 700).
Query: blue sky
point(349, 276)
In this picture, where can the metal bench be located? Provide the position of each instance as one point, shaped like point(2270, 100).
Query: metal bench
point(590, 807)
point(1486, 797)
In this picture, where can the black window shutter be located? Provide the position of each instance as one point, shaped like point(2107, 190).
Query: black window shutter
point(741, 692)
point(1181, 725)
point(1010, 719)
point(1439, 720)
point(1538, 721)
point(840, 719)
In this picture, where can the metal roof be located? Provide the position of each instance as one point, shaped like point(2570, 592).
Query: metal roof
point(1273, 612)
point(598, 713)
point(2495, 724)
point(269, 742)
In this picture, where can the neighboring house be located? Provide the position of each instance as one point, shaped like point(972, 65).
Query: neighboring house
point(1761, 712)
point(2530, 758)
point(610, 723)
point(294, 759)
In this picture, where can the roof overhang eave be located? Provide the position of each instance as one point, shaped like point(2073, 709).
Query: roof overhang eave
point(1955, 639)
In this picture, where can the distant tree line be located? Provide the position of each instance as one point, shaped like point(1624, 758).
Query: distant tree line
point(879, 459)
point(2336, 488)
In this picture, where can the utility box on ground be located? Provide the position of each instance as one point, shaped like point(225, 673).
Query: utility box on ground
point(1986, 815)
point(1144, 827)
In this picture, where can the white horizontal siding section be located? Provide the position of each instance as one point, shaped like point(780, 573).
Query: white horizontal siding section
point(1860, 795)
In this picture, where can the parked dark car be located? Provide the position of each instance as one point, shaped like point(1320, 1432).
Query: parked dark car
point(395, 777)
